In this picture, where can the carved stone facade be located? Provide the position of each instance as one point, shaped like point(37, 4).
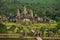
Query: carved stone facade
point(28, 15)
point(25, 15)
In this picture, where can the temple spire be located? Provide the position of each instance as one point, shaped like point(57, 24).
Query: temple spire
point(31, 12)
point(18, 13)
point(24, 10)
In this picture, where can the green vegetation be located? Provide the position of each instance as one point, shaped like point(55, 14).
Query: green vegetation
point(48, 8)
point(13, 28)
point(3, 28)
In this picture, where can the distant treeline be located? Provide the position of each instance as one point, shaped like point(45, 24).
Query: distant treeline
point(42, 8)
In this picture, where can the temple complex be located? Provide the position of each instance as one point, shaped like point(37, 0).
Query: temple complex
point(26, 15)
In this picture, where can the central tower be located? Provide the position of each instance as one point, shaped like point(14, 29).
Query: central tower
point(24, 10)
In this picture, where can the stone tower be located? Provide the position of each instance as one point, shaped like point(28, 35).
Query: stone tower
point(31, 13)
point(18, 14)
point(25, 10)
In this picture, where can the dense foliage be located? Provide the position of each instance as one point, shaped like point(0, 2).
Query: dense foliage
point(49, 8)
point(45, 30)
point(3, 28)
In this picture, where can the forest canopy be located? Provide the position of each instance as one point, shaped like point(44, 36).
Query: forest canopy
point(49, 8)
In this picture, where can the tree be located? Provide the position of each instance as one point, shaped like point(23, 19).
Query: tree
point(12, 29)
point(3, 28)
point(42, 30)
point(58, 26)
point(58, 32)
point(57, 19)
point(54, 30)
